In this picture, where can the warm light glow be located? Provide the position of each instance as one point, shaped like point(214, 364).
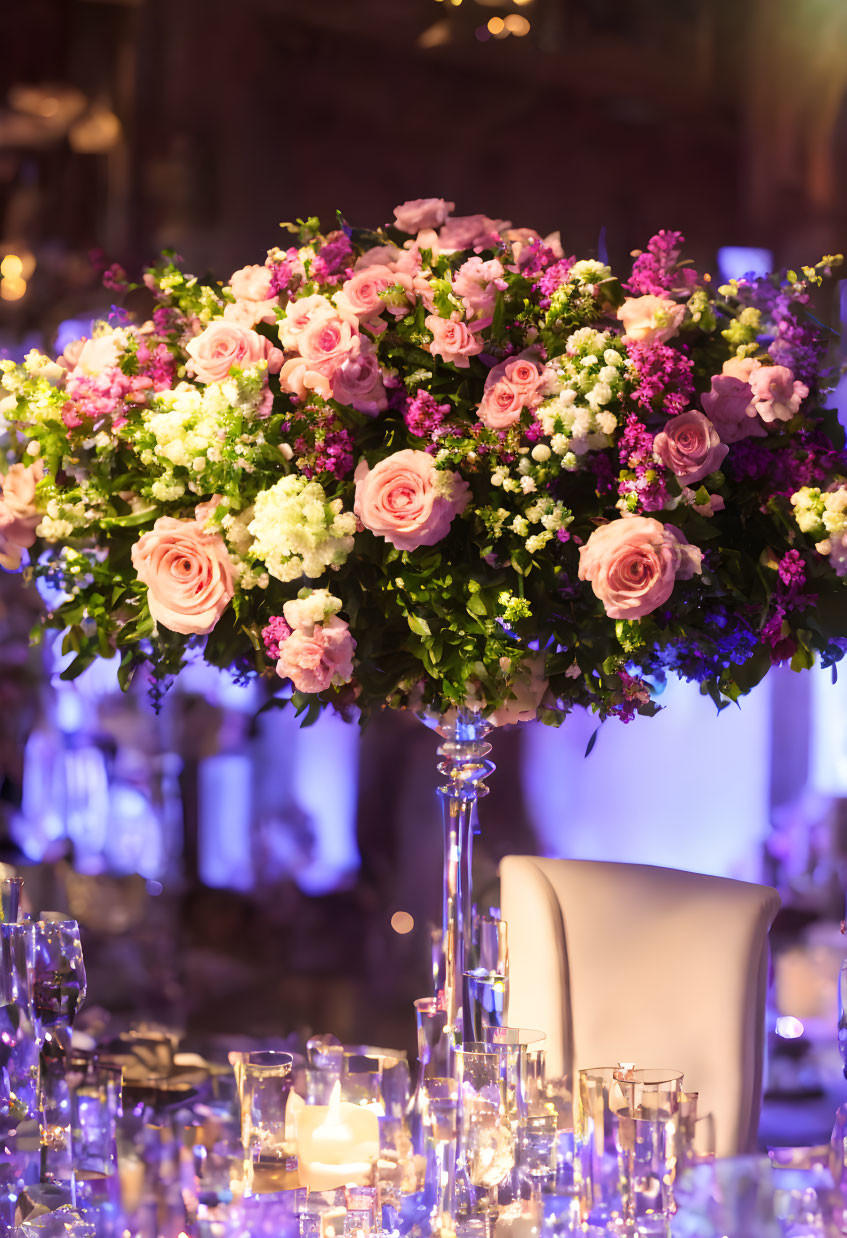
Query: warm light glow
point(517, 25)
point(455, 3)
point(522, 2)
point(496, 25)
point(11, 266)
point(402, 922)
point(12, 288)
point(436, 35)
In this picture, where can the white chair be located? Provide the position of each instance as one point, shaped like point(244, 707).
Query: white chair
point(628, 963)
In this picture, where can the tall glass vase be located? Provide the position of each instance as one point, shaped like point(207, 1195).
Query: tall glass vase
point(464, 765)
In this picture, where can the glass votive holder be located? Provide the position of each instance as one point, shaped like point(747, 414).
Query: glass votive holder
point(647, 1148)
point(269, 1160)
point(536, 1157)
point(601, 1098)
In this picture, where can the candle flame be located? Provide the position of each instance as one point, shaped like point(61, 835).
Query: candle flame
point(334, 1109)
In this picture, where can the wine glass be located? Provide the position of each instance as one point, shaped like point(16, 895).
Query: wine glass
point(58, 982)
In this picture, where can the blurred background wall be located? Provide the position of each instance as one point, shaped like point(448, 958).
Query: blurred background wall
point(276, 857)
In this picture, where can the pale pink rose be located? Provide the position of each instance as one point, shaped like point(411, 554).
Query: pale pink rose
point(471, 232)
point(358, 383)
point(359, 295)
point(328, 339)
point(477, 282)
point(523, 372)
point(420, 213)
point(633, 563)
point(19, 517)
point(188, 575)
point(251, 283)
point(777, 396)
point(403, 499)
point(222, 345)
point(452, 341)
point(101, 353)
point(301, 380)
point(527, 694)
point(298, 315)
point(70, 355)
point(650, 318)
point(501, 405)
point(320, 659)
point(740, 368)
point(729, 406)
point(690, 447)
point(254, 301)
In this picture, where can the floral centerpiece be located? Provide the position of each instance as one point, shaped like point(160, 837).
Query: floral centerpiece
point(437, 465)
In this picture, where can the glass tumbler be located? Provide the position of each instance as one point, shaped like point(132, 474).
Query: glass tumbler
point(440, 1122)
point(266, 1080)
point(647, 1143)
point(486, 1138)
point(602, 1098)
point(58, 982)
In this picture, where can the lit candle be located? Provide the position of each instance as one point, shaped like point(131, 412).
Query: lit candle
point(337, 1144)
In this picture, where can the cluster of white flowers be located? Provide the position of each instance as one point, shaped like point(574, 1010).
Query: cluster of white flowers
point(823, 514)
point(298, 531)
point(589, 377)
point(35, 382)
point(310, 607)
point(589, 271)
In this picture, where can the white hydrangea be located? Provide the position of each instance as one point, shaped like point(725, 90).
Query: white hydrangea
point(590, 376)
point(54, 529)
point(298, 531)
point(310, 607)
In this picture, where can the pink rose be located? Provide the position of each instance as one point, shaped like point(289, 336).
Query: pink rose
point(318, 659)
point(477, 283)
point(301, 380)
point(222, 345)
point(776, 394)
point(328, 339)
point(690, 447)
point(406, 500)
point(188, 575)
point(358, 382)
point(19, 517)
point(420, 213)
point(650, 318)
point(298, 315)
point(730, 408)
point(501, 406)
point(523, 372)
point(254, 301)
point(452, 341)
point(527, 694)
point(252, 283)
point(360, 293)
point(471, 232)
point(633, 562)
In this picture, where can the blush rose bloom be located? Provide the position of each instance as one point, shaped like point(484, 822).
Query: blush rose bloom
point(19, 517)
point(690, 447)
point(254, 301)
point(470, 232)
point(633, 563)
point(96, 355)
point(327, 339)
point(406, 500)
point(222, 345)
point(524, 373)
point(358, 383)
point(359, 294)
point(318, 659)
point(452, 341)
point(477, 283)
point(420, 213)
point(501, 406)
point(777, 396)
point(650, 318)
point(298, 315)
point(188, 575)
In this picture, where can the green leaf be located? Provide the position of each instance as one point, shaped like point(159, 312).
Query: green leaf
point(129, 521)
point(419, 626)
